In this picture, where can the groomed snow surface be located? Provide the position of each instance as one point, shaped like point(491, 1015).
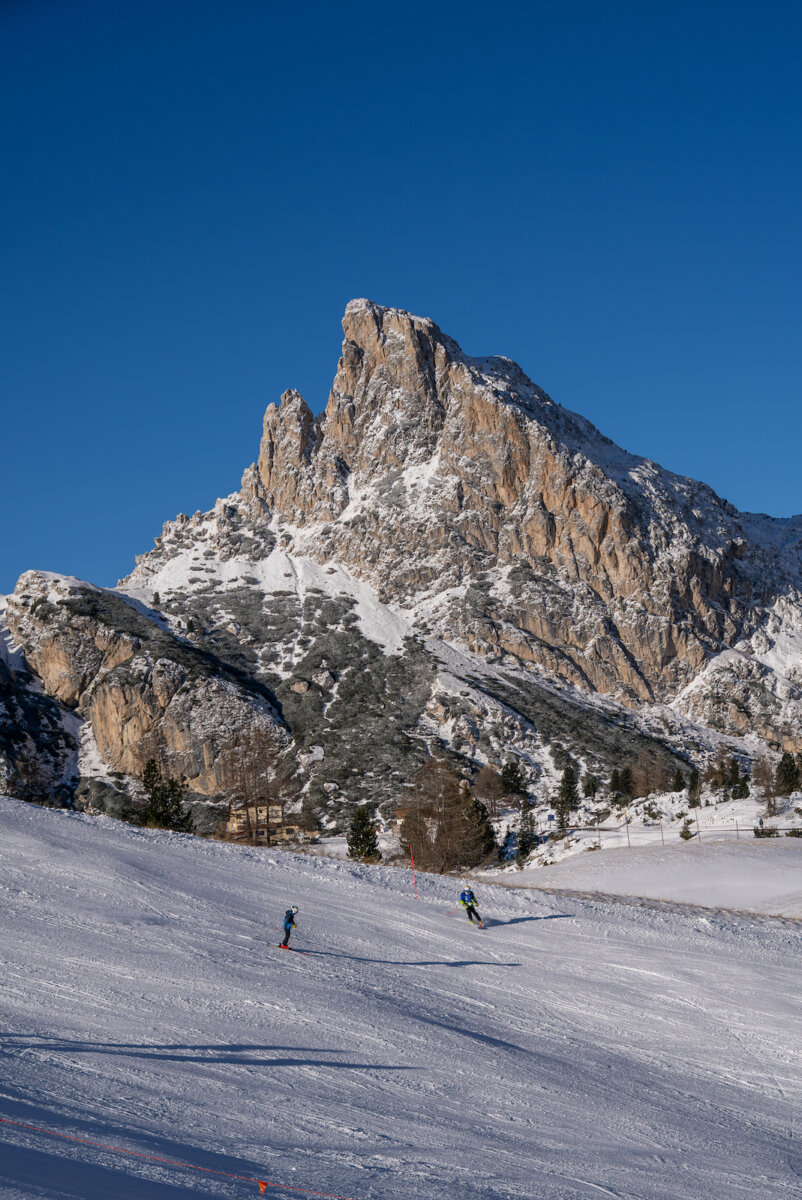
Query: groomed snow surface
point(572, 1049)
point(748, 875)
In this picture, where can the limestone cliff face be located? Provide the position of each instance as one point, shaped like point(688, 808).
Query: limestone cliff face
point(144, 693)
point(430, 470)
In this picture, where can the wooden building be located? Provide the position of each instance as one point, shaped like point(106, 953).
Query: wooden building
point(263, 822)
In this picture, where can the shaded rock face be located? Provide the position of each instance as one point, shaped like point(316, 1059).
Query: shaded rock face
point(430, 469)
point(145, 693)
point(37, 753)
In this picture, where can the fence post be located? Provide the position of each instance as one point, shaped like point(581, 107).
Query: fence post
point(412, 860)
point(629, 843)
point(598, 833)
point(698, 830)
point(662, 837)
point(736, 832)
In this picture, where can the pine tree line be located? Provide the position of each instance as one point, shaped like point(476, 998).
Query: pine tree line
point(447, 823)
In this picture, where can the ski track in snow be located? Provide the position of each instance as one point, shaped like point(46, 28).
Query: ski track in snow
point(573, 1048)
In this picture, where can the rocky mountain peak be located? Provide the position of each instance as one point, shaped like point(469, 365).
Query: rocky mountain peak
point(385, 409)
point(431, 470)
point(443, 557)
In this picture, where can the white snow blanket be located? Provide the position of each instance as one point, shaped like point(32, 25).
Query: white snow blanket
point(572, 1049)
point(751, 875)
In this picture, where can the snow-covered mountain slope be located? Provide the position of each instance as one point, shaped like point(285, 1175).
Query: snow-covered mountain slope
point(571, 1049)
point(367, 686)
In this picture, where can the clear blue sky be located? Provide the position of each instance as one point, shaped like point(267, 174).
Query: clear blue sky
point(609, 193)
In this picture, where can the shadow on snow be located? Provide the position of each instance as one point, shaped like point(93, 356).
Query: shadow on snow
point(392, 962)
point(488, 922)
point(243, 1055)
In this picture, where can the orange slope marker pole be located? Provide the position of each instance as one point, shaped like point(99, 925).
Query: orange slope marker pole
point(264, 1185)
point(172, 1162)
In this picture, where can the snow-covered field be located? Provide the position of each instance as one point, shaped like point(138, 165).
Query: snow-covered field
point(572, 1049)
point(749, 875)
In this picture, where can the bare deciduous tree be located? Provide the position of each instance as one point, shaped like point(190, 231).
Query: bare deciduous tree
point(764, 782)
point(489, 788)
point(249, 770)
point(417, 836)
point(446, 826)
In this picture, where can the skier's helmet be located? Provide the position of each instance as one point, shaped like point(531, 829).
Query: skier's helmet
point(294, 908)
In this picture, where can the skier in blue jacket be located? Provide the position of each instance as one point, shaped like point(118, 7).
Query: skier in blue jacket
point(289, 925)
point(468, 902)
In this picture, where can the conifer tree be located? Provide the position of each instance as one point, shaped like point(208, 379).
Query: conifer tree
point(464, 836)
point(165, 807)
point(590, 785)
point(362, 841)
point(527, 838)
point(512, 778)
point(787, 780)
point(567, 797)
point(151, 777)
point(679, 781)
point(568, 794)
point(35, 777)
point(737, 783)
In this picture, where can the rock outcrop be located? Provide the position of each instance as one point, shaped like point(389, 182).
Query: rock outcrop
point(145, 693)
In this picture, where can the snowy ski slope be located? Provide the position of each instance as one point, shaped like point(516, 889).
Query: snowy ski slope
point(572, 1049)
point(749, 875)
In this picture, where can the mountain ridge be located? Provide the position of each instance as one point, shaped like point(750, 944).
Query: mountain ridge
point(445, 557)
